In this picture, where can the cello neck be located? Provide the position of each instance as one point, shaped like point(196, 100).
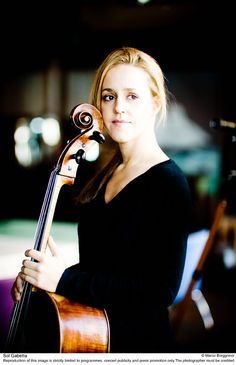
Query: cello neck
point(43, 228)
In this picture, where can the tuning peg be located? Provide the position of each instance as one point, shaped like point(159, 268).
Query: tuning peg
point(98, 137)
point(80, 154)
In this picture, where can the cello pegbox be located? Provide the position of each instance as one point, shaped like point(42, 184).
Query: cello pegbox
point(97, 136)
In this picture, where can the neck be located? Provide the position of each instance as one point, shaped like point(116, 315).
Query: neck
point(138, 154)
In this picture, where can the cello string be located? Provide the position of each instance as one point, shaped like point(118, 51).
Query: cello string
point(21, 305)
point(44, 211)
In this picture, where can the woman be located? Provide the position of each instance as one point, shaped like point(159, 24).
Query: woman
point(133, 217)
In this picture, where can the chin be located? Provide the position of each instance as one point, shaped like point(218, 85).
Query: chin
point(120, 139)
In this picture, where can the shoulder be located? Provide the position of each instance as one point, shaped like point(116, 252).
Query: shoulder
point(167, 170)
point(168, 175)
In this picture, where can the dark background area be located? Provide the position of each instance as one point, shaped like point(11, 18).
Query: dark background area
point(183, 35)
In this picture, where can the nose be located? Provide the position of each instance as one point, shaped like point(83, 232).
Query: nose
point(120, 105)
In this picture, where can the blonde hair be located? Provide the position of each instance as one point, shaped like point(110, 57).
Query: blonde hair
point(137, 58)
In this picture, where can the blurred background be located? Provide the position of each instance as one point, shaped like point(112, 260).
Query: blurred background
point(49, 54)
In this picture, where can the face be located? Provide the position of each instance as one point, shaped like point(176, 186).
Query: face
point(128, 107)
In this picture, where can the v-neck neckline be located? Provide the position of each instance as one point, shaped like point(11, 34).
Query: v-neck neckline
point(130, 182)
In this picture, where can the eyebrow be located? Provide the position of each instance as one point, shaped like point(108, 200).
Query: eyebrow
point(107, 89)
point(112, 90)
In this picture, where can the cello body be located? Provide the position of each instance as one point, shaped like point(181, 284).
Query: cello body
point(44, 322)
point(55, 324)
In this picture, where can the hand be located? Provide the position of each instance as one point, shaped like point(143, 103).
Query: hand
point(16, 289)
point(46, 271)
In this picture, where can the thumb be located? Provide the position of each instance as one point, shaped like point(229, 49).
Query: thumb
point(53, 247)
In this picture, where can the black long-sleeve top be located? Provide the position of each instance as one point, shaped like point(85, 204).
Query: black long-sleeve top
point(132, 253)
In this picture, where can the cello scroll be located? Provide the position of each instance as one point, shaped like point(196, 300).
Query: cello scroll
point(89, 121)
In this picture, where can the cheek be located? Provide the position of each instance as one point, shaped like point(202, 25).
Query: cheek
point(105, 117)
point(104, 109)
point(150, 110)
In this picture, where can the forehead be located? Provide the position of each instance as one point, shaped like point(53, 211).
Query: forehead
point(125, 76)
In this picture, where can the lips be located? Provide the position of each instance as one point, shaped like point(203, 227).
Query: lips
point(117, 121)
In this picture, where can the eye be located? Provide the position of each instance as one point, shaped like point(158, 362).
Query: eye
point(107, 97)
point(132, 96)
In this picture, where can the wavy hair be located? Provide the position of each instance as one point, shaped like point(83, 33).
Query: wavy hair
point(137, 58)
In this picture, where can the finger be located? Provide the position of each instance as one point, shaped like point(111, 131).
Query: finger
point(34, 254)
point(29, 264)
point(15, 295)
point(28, 272)
point(53, 247)
point(19, 284)
point(16, 289)
point(30, 279)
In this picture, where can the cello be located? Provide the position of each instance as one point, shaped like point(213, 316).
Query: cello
point(60, 325)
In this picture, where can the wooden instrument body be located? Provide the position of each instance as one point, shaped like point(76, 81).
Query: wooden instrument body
point(63, 326)
point(43, 321)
